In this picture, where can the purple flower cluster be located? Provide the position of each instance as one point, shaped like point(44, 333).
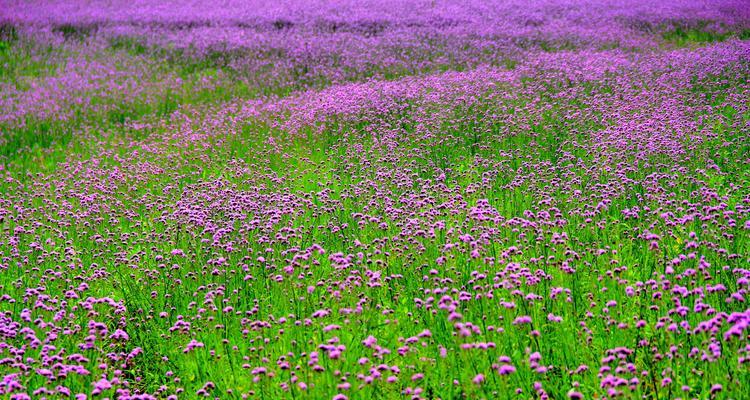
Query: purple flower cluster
point(418, 219)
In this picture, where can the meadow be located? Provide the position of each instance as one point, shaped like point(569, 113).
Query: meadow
point(362, 199)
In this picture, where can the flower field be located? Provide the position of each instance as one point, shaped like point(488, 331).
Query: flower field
point(368, 199)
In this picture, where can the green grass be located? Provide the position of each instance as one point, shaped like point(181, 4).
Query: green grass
point(327, 177)
point(701, 33)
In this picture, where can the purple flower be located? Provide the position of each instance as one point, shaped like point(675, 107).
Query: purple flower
point(506, 369)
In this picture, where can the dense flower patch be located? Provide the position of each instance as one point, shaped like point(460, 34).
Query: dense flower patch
point(352, 200)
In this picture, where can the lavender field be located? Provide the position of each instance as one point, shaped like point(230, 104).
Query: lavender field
point(360, 199)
